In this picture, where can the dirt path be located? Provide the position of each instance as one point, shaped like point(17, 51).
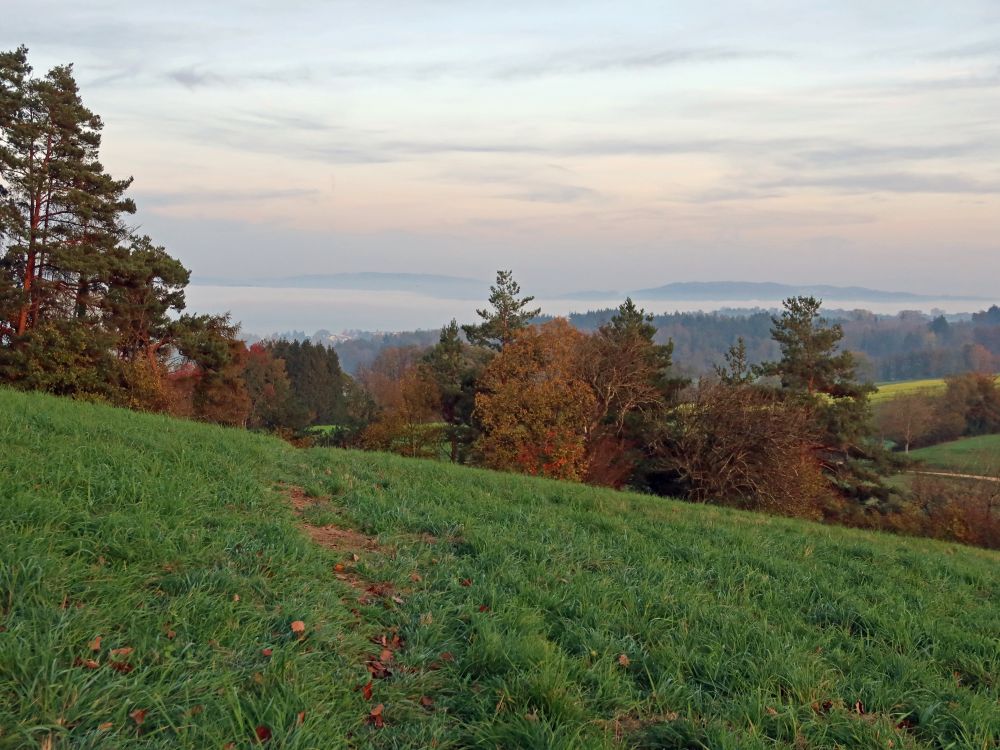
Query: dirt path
point(957, 476)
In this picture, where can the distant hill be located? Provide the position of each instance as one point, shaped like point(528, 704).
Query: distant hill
point(458, 287)
point(732, 291)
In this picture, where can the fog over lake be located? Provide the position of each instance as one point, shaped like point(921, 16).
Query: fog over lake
point(267, 310)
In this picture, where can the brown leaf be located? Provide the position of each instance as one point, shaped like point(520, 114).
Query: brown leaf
point(366, 691)
point(771, 711)
point(624, 660)
point(229, 746)
point(88, 663)
point(138, 716)
point(447, 656)
point(300, 718)
point(859, 707)
point(426, 701)
point(415, 577)
point(385, 656)
point(378, 670)
point(266, 651)
point(339, 568)
point(375, 716)
point(236, 597)
point(298, 627)
point(95, 645)
point(263, 734)
point(466, 581)
point(120, 651)
point(484, 608)
point(171, 635)
point(121, 666)
point(105, 726)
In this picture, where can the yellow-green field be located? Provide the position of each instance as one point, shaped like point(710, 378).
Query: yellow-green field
point(974, 455)
point(930, 386)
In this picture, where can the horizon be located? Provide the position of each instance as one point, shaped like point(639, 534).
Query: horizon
point(574, 143)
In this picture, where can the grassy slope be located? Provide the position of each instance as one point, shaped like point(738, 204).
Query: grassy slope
point(975, 455)
point(739, 630)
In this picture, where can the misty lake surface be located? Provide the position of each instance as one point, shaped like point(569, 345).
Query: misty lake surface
point(267, 310)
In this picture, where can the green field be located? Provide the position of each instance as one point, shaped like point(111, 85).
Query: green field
point(974, 455)
point(932, 386)
point(516, 613)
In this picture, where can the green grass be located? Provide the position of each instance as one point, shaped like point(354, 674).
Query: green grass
point(974, 455)
point(931, 387)
point(541, 615)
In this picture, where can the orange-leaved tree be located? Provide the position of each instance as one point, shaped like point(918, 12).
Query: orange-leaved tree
point(534, 406)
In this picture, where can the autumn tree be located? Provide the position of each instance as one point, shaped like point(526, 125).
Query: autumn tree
point(744, 446)
point(534, 407)
point(629, 376)
point(508, 313)
point(908, 418)
point(408, 404)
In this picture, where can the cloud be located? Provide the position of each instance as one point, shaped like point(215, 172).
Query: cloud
point(208, 197)
point(554, 194)
point(890, 182)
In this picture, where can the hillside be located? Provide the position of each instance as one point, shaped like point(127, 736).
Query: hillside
point(928, 387)
point(159, 589)
point(973, 455)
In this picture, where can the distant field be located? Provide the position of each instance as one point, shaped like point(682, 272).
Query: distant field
point(974, 455)
point(887, 391)
point(157, 590)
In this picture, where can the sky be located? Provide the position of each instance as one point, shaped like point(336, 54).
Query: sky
point(586, 145)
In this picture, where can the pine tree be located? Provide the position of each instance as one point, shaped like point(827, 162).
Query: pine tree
point(509, 314)
point(62, 210)
point(737, 370)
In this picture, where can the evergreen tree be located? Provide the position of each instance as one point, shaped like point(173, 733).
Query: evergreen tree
point(813, 370)
point(509, 314)
point(62, 210)
point(737, 370)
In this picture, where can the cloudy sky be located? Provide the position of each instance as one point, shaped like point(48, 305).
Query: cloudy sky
point(584, 144)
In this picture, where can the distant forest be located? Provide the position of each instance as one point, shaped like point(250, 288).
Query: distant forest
point(886, 347)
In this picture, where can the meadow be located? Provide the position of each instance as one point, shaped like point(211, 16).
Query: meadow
point(972, 455)
point(169, 584)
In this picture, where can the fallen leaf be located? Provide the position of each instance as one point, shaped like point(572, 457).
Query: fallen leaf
point(300, 718)
point(771, 711)
point(375, 716)
point(229, 746)
point(339, 567)
point(263, 734)
point(88, 663)
point(386, 655)
point(623, 660)
point(266, 651)
point(415, 577)
point(426, 701)
point(171, 635)
point(121, 666)
point(298, 626)
point(483, 608)
point(859, 707)
point(95, 645)
point(120, 651)
point(466, 581)
point(447, 656)
point(236, 597)
point(366, 691)
point(105, 726)
point(354, 556)
point(397, 599)
point(138, 716)
point(378, 670)
point(258, 678)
